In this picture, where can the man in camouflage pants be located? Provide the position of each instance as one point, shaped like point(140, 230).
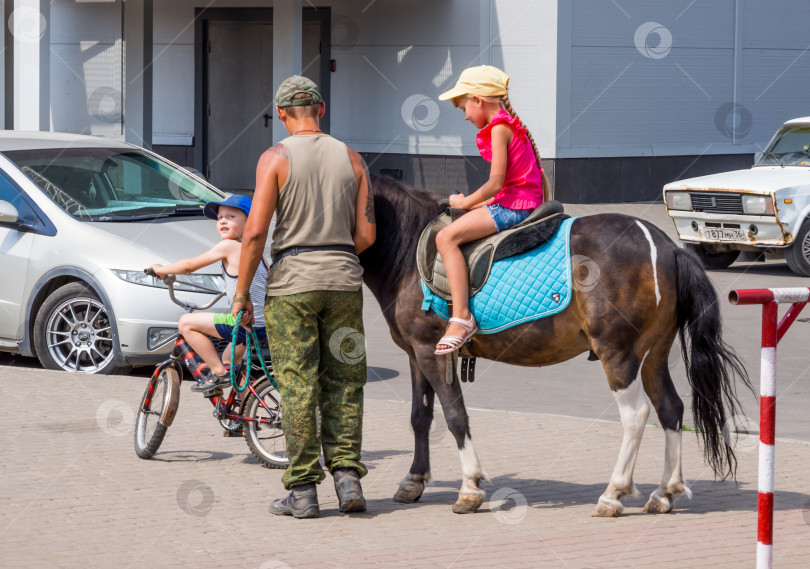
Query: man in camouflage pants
point(319, 190)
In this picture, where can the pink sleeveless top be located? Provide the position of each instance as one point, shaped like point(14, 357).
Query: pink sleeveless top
point(523, 186)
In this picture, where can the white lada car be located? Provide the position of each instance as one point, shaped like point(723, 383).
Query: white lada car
point(765, 209)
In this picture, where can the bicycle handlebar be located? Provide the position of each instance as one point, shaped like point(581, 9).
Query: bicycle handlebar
point(169, 281)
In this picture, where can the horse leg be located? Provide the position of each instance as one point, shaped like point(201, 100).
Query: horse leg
point(413, 485)
point(669, 406)
point(471, 496)
point(634, 410)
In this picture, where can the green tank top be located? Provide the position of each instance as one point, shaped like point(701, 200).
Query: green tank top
point(316, 207)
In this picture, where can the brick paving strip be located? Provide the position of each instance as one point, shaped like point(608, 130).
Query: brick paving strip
point(73, 493)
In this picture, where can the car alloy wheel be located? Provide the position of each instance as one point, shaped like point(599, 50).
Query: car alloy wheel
point(78, 335)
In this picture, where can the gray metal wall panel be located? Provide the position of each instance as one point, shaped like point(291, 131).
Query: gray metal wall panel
point(776, 64)
point(618, 100)
point(776, 24)
point(635, 93)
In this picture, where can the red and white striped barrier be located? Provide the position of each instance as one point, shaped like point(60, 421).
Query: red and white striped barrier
point(772, 331)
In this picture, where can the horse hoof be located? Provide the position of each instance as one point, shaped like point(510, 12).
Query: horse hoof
point(469, 501)
point(607, 509)
point(409, 492)
point(658, 505)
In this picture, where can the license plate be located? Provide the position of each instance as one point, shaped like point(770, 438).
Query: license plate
point(724, 234)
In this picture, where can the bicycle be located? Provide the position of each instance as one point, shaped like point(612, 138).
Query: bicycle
point(257, 416)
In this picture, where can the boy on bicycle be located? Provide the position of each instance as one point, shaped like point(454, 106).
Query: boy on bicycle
point(231, 215)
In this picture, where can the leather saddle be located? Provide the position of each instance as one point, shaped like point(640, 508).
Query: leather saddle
point(536, 229)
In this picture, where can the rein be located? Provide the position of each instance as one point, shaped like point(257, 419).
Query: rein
point(252, 343)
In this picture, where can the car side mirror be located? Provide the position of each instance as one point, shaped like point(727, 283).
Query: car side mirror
point(8, 213)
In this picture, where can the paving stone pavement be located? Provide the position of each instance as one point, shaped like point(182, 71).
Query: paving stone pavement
point(74, 494)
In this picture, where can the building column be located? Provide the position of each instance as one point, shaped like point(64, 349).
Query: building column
point(138, 25)
point(27, 69)
point(287, 42)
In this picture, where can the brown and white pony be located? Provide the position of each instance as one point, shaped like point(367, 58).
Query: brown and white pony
point(648, 291)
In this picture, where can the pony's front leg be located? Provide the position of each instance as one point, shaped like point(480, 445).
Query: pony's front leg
point(471, 496)
point(634, 410)
point(413, 485)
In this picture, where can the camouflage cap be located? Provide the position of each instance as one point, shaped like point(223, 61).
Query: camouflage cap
point(294, 85)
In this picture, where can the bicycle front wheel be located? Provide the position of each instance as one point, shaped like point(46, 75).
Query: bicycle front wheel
point(263, 426)
point(149, 431)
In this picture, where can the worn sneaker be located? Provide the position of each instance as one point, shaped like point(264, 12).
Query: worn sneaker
point(301, 502)
point(212, 383)
point(349, 491)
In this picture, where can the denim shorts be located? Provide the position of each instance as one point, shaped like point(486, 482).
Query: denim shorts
point(224, 324)
point(505, 217)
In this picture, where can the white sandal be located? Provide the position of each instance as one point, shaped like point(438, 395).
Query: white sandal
point(455, 342)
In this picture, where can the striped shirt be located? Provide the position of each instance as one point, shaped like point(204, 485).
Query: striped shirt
point(257, 290)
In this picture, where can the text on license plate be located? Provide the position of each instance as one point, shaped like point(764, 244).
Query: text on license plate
point(724, 234)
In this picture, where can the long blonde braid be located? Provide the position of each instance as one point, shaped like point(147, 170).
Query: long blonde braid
point(546, 184)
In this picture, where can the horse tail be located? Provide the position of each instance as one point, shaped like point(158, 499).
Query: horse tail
point(711, 364)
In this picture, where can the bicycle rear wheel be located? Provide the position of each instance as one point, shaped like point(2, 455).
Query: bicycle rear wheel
point(149, 431)
point(265, 439)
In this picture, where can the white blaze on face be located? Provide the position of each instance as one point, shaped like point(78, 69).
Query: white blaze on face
point(654, 255)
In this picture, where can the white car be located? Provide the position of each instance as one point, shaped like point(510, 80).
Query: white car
point(763, 209)
point(80, 218)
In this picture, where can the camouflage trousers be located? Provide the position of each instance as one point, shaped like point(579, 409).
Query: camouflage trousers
point(319, 361)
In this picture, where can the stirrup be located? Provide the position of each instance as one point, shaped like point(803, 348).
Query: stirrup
point(455, 342)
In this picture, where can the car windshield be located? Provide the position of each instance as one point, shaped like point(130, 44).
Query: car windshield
point(790, 147)
point(113, 184)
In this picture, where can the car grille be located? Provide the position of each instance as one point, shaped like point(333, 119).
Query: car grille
point(717, 203)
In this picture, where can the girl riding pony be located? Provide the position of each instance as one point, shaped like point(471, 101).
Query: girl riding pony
point(515, 186)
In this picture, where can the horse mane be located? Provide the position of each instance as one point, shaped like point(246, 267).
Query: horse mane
point(401, 213)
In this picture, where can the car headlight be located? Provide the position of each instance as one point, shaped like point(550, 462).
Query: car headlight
point(213, 282)
point(757, 205)
point(679, 200)
point(157, 337)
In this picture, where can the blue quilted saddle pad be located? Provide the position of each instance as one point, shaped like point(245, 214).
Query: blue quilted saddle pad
point(519, 289)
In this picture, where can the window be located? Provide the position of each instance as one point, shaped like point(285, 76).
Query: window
point(110, 184)
point(11, 193)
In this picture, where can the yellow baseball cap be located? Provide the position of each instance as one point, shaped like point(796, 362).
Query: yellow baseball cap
point(483, 80)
